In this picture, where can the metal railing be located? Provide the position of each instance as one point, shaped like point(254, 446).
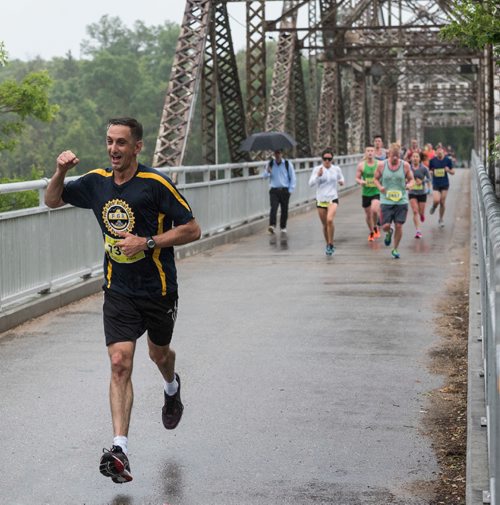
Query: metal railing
point(43, 249)
point(487, 210)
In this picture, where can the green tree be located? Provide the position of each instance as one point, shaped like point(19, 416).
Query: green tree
point(29, 98)
point(474, 24)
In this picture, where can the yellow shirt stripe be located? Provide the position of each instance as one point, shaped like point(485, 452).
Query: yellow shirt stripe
point(156, 257)
point(110, 271)
point(161, 180)
point(101, 171)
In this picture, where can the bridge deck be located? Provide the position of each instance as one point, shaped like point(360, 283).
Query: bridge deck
point(305, 378)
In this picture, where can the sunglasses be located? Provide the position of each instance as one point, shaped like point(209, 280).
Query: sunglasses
point(327, 158)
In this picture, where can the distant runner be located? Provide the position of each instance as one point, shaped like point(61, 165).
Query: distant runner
point(418, 194)
point(380, 150)
point(440, 166)
point(327, 177)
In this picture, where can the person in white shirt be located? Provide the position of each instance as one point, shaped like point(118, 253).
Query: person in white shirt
point(327, 177)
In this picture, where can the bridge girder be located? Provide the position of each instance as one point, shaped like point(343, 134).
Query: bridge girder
point(377, 60)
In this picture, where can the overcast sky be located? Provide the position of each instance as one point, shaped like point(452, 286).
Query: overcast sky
point(48, 28)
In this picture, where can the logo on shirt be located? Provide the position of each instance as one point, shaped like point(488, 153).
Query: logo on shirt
point(118, 216)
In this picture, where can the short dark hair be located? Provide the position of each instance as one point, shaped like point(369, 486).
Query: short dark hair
point(135, 127)
point(377, 137)
point(328, 150)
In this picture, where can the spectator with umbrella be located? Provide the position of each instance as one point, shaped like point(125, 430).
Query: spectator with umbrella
point(279, 171)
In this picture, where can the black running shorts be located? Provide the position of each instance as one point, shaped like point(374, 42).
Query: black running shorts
point(366, 201)
point(419, 198)
point(440, 188)
point(127, 318)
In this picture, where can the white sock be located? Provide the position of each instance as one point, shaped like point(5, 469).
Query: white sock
point(122, 442)
point(171, 387)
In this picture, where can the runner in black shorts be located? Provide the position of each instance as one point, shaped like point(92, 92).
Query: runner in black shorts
point(366, 201)
point(142, 217)
point(127, 318)
point(418, 194)
point(440, 166)
point(370, 194)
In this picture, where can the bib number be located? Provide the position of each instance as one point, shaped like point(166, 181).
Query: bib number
point(116, 254)
point(418, 187)
point(394, 194)
point(370, 183)
point(439, 172)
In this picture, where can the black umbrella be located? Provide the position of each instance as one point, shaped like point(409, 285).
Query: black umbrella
point(268, 141)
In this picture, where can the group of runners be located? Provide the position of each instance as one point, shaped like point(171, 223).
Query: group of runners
point(392, 181)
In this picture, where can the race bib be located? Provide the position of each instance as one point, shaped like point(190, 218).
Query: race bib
point(439, 172)
point(394, 194)
point(116, 254)
point(418, 187)
point(370, 183)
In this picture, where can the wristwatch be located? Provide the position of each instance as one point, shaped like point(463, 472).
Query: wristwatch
point(150, 243)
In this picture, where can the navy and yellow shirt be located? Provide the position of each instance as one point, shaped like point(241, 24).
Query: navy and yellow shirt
point(146, 205)
point(439, 174)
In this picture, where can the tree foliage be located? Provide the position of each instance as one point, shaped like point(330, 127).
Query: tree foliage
point(124, 72)
point(475, 24)
point(29, 98)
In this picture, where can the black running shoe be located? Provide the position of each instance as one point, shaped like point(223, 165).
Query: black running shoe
point(171, 412)
point(114, 463)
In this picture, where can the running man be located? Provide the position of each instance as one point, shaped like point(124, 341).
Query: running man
point(393, 178)
point(380, 150)
point(370, 194)
point(418, 194)
point(412, 149)
point(327, 177)
point(440, 166)
point(142, 217)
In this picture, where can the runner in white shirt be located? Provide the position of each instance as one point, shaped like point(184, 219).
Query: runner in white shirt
point(327, 177)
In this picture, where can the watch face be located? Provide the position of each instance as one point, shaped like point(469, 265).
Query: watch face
point(151, 243)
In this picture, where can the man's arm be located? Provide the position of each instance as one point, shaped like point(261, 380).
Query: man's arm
point(293, 178)
point(340, 177)
point(450, 170)
point(267, 171)
point(359, 173)
point(178, 235)
point(378, 175)
point(65, 161)
point(410, 180)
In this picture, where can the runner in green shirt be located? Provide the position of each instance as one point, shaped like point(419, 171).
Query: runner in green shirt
point(370, 194)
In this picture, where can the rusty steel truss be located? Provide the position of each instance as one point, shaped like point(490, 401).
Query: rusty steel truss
point(343, 71)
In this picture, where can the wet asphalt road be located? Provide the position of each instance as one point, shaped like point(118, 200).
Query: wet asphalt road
point(304, 378)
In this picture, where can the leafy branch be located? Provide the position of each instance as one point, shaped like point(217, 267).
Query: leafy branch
point(18, 101)
point(474, 24)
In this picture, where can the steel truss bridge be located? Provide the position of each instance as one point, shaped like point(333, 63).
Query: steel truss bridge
point(352, 69)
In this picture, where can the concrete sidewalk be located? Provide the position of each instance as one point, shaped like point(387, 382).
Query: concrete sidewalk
point(304, 377)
